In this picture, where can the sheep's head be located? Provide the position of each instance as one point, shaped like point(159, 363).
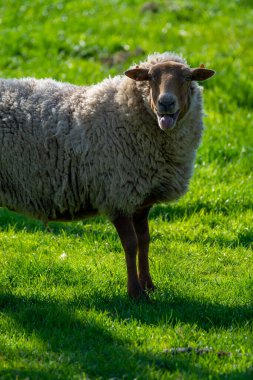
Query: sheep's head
point(170, 89)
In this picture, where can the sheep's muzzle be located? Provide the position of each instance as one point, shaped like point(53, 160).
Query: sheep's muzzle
point(167, 110)
point(167, 121)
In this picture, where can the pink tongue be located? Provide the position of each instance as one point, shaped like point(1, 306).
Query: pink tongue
point(167, 121)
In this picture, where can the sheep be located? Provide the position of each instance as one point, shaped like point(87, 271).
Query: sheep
point(115, 148)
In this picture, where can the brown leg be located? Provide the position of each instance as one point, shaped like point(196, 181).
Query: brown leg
point(140, 221)
point(125, 229)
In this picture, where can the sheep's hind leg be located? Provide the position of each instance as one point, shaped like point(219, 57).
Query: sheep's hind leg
point(140, 221)
point(125, 229)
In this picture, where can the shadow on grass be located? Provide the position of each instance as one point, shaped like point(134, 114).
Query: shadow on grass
point(172, 310)
point(81, 345)
point(85, 346)
point(173, 212)
point(20, 222)
point(242, 239)
point(169, 213)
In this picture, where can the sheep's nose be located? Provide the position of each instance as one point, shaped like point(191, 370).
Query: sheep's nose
point(167, 103)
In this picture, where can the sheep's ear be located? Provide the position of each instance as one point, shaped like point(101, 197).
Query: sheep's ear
point(200, 74)
point(138, 74)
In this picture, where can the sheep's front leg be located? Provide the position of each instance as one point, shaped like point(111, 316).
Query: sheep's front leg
point(140, 221)
point(125, 229)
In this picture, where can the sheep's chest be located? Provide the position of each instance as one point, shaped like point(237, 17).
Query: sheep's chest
point(170, 181)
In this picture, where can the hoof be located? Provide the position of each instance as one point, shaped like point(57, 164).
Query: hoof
point(147, 284)
point(137, 292)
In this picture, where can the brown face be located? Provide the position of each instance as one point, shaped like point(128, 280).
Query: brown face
point(170, 92)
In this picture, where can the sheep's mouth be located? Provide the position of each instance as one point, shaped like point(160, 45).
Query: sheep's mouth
point(167, 121)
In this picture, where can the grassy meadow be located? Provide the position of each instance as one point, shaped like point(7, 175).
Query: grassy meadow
point(64, 311)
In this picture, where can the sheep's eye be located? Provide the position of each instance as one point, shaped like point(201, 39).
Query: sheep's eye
point(188, 78)
point(153, 78)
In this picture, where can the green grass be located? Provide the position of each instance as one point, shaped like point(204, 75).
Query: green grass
point(64, 312)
